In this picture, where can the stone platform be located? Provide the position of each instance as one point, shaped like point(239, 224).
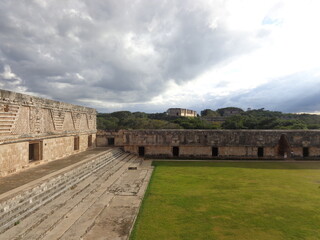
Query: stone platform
point(93, 195)
point(44, 169)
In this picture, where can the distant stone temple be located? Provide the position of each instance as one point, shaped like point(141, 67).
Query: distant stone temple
point(34, 130)
point(231, 112)
point(181, 112)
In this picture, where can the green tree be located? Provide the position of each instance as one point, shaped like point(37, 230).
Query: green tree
point(222, 111)
point(209, 113)
point(234, 122)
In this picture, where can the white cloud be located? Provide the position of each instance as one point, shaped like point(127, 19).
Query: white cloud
point(152, 55)
point(9, 80)
point(7, 73)
point(292, 47)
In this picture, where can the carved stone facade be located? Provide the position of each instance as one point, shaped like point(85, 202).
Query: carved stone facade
point(221, 144)
point(34, 130)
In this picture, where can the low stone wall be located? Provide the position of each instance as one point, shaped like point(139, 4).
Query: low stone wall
point(249, 144)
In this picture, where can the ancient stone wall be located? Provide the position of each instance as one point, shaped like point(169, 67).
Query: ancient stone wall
point(37, 129)
point(109, 138)
point(13, 157)
point(227, 143)
point(221, 137)
point(27, 116)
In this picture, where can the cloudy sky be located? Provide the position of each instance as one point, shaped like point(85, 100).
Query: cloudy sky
point(150, 55)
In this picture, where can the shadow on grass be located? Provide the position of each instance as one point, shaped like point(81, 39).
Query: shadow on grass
point(245, 164)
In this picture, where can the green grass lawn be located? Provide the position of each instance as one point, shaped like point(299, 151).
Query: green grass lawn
point(233, 200)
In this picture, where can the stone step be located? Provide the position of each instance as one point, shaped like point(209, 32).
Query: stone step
point(91, 207)
point(32, 199)
point(30, 194)
point(52, 209)
point(44, 220)
point(24, 204)
point(84, 224)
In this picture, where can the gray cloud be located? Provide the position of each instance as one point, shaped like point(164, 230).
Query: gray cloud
point(299, 92)
point(114, 51)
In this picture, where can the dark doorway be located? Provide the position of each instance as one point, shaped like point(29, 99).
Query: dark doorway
point(305, 152)
point(110, 141)
point(89, 141)
point(31, 152)
point(76, 143)
point(175, 151)
point(260, 151)
point(35, 151)
point(215, 151)
point(283, 146)
point(141, 151)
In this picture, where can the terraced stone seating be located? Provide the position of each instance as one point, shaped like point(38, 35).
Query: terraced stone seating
point(93, 171)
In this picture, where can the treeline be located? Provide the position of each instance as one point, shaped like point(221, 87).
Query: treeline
point(141, 120)
point(263, 119)
point(224, 118)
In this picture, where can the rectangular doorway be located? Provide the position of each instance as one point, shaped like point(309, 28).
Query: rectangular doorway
point(305, 152)
point(175, 151)
point(260, 152)
point(35, 151)
point(89, 141)
point(141, 151)
point(76, 143)
point(215, 151)
point(111, 141)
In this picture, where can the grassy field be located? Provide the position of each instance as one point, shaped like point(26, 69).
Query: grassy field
point(233, 200)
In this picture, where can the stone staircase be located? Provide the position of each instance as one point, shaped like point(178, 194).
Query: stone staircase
point(48, 209)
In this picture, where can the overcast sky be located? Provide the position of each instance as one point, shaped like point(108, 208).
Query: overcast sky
point(150, 55)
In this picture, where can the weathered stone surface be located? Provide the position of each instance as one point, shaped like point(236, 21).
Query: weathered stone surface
point(51, 127)
point(27, 116)
point(230, 143)
point(221, 137)
point(95, 198)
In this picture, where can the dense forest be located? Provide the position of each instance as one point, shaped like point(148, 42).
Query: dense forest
point(209, 119)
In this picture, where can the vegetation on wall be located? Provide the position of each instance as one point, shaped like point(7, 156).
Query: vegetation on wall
point(251, 119)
